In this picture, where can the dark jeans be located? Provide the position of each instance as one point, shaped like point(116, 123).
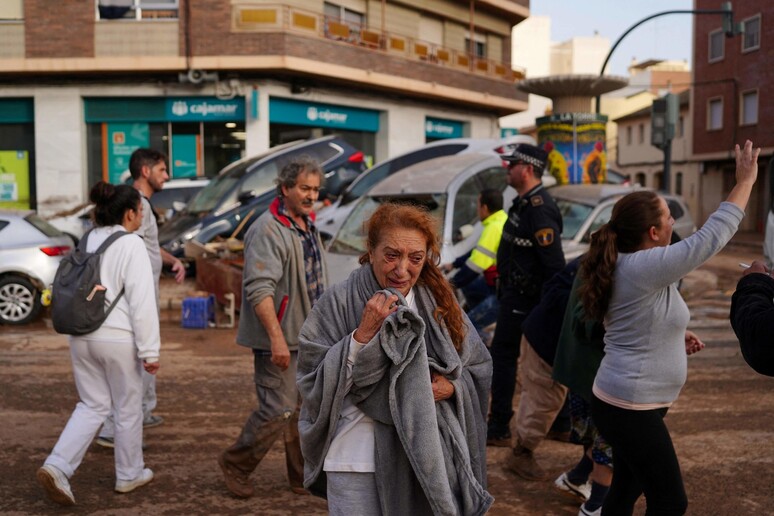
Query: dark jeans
point(505, 354)
point(644, 461)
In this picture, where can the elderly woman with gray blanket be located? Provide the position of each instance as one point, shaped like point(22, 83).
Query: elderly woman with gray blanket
point(395, 382)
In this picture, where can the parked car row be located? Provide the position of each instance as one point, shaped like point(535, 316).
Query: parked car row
point(445, 176)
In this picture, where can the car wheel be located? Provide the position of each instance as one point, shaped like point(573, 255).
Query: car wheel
point(19, 300)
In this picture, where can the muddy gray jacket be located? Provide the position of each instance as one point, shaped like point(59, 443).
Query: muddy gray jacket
point(274, 267)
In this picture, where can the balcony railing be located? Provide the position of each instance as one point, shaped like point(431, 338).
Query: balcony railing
point(273, 18)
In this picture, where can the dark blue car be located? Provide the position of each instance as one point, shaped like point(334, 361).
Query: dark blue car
point(246, 188)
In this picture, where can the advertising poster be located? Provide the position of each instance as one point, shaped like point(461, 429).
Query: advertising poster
point(14, 180)
point(575, 143)
point(185, 155)
point(122, 141)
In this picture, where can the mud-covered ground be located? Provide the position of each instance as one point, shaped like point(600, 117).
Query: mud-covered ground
point(722, 425)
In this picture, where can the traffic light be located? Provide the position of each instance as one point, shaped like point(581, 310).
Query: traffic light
point(663, 120)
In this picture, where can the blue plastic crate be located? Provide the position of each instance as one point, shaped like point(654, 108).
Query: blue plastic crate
point(198, 312)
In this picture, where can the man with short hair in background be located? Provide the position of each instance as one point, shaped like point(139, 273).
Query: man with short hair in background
point(149, 173)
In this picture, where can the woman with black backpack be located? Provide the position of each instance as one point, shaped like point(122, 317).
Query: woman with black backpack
point(107, 362)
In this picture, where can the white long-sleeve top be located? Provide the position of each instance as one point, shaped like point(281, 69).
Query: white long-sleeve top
point(125, 264)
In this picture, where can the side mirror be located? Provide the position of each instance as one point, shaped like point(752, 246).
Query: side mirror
point(246, 196)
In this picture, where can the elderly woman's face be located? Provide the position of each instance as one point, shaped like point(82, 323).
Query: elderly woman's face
point(398, 258)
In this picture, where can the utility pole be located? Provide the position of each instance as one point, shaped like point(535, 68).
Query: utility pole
point(663, 121)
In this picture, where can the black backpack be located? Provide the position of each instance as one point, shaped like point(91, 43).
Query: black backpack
point(77, 301)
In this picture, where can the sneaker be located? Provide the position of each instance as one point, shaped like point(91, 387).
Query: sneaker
point(495, 437)
point(106, 442)
point(152, 420)
point(585, 512)
point(126, 486)
point(236, 482)
point(522, 463)
point(56, 484)
point(582, 491)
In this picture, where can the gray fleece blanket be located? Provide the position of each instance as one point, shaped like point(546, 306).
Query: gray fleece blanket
point(430, 457)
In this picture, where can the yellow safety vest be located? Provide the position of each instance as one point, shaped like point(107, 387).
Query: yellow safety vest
point(484, 255)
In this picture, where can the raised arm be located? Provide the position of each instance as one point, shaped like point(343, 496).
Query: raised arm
point(746, 174)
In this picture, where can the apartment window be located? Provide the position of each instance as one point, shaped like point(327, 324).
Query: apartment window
point(716, 45)
point(335, 12)
point(681, 126)
point(479, 45)
point(749, 112)
point(629, 135)
point(715, 114)
point(751, 39)
point(639, 178)
point(658, 180)
point(137, 9)
point(679, 183)
point(641, 134)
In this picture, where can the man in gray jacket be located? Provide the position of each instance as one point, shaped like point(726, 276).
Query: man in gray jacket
point(284, 274)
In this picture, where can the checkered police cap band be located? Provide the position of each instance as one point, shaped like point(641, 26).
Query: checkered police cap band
point(520, 156)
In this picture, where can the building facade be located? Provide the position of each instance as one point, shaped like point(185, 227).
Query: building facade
point(210, 81)
point(730, 104)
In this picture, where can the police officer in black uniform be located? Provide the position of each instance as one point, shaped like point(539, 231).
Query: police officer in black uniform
point(530, 253)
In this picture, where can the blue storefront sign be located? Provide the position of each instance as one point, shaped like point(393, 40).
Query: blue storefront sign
point(508, 131)
point(315, 114)
point(197, 109)
point(440, 128)
point(163, 109)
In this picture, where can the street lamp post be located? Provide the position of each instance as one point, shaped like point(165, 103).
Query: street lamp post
point(728, 26)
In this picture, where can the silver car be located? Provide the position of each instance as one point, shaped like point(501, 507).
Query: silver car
point(30, 252)
point(585, 208)
point(448, 187)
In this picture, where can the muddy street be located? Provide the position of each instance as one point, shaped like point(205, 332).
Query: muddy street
point(722, 425)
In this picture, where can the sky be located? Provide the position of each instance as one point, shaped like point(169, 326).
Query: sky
point(665, 37)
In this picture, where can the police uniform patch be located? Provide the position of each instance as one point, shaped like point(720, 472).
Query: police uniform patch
point(545, 237)
point(536, 200)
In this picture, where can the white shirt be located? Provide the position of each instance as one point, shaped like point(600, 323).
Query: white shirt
point(352, 448)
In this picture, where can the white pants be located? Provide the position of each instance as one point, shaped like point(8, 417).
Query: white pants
point(107, 374)
point(148, 405)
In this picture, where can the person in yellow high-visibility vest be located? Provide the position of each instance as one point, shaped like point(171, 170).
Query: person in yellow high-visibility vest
point(477, 272)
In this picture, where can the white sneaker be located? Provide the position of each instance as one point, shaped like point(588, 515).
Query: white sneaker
point(126, 486)
point(55, 482)
point(582, 491)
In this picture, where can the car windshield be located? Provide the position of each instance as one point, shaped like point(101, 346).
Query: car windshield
point(351, 237)
point(215, 191)
point(574, 214)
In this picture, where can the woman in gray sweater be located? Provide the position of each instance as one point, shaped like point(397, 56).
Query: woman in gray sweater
point(630, 281)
